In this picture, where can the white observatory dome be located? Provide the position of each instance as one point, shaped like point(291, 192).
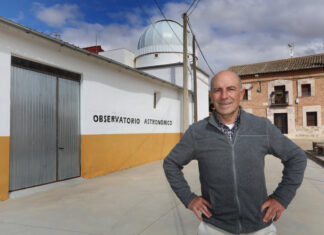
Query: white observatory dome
point(161, 43)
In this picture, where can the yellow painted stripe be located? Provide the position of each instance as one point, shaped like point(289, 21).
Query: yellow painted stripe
point(102, 154)
point(4, 167)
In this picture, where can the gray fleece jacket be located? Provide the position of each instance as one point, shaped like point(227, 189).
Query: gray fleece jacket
point(232, 174)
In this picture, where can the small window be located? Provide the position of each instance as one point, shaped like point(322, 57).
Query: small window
point(311, 118)
point(306, 89)
point(280, 88)
point(154, 102)
point(156, 55)
point(246, 94)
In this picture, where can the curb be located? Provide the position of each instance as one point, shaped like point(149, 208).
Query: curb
point(316, 158)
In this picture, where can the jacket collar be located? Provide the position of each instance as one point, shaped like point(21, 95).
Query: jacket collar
point(212, 118)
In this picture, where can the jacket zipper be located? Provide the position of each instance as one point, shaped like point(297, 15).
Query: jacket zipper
point(235, 184)
point(234, 175)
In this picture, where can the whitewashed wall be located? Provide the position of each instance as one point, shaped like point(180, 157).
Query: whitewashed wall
point(106, 89)
point(174, 74)
point(122, 55)
point(5, 60)
point(161, 59)
point(203, 88)
point(116, 93)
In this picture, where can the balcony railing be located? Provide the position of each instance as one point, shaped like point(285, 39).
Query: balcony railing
point(278, 98)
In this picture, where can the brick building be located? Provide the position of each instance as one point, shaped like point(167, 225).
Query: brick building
point(289, 92)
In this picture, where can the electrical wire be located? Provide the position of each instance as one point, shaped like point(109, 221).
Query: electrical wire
point(158, 6)
point(200, 48)
point(194, 8)
point(193, 2)
point(153, 24)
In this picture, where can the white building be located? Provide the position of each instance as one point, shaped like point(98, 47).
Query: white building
point(160, 53)
point(67, 112)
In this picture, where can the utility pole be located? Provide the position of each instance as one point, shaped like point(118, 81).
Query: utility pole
point(195, 78)
point(185, 75)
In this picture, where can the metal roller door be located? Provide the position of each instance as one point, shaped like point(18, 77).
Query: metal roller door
point(44, 132)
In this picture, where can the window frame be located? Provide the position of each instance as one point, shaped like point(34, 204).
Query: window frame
point(309, 92)
point(311, 82)
point(246, 94)
point(315, 122)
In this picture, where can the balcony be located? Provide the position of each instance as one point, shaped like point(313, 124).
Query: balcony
point(279, 98)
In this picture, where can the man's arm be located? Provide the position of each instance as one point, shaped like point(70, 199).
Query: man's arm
point(294, 160)
point(173, 164)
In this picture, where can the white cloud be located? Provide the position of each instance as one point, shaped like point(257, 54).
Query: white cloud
point(75, 30)
point(109, 36)
point(230, 32)
point(57, 15)
point(240, 32)
point(19, 18)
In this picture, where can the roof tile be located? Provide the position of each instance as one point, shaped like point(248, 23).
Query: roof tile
point(291, 64)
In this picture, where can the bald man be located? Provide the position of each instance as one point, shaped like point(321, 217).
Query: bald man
point(230, 147)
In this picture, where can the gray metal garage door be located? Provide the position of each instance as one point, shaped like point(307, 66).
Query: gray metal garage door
point(68, 129)
point(44, 130)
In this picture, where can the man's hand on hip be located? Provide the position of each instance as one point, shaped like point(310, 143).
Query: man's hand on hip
point(200, 205)
point(274, 209)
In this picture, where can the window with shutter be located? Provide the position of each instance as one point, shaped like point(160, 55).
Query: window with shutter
point(246, 94)
point(311, 118)
point(306, 89)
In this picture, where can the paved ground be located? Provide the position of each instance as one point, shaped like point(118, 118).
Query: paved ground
point(139, 201)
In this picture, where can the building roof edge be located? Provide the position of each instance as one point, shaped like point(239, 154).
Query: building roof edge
point(83, 51)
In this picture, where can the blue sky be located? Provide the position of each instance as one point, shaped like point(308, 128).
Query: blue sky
point(230, 32)
point(94, 11)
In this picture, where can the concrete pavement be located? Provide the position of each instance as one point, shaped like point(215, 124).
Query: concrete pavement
point(139, 201)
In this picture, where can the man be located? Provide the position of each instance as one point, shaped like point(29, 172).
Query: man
point(230, 147)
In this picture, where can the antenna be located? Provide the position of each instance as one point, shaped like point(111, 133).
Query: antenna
point(96, 42)
point(56, 35)
point(291, 49)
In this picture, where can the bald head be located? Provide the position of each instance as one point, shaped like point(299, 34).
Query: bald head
point(225, 74)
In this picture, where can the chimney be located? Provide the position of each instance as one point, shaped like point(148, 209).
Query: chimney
point(94, 49)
